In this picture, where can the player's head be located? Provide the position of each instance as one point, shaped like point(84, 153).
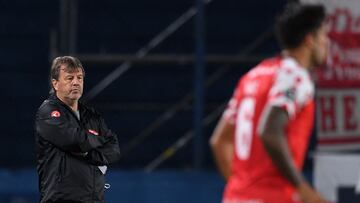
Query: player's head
point(304, 25)
point(67, 77)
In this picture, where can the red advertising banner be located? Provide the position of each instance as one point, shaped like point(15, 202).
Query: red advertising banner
point(338, 84)
point(338, 120)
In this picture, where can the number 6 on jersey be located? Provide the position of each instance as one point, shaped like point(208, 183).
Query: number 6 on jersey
point(244, 131)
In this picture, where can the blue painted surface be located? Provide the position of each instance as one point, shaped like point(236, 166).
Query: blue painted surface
point(20, 186)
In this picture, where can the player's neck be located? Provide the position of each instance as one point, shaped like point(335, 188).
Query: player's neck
point(301, 55)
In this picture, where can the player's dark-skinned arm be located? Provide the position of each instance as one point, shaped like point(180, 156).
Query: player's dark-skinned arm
point(108, 153)
point(222, 145)
point(65, 135)
point(275, 143)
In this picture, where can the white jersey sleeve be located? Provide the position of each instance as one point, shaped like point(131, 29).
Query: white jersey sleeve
point(292, 89)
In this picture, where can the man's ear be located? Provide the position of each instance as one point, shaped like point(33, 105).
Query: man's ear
point(54, 84)
point(309, 40)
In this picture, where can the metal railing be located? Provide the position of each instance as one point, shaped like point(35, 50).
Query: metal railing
point(142, 52)
point(166, 154)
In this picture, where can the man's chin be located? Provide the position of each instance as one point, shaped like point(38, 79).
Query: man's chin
point(75, 96)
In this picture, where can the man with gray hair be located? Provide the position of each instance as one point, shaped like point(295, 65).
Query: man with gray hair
point(74, 145)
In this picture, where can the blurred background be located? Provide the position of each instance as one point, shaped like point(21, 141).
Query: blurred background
point(160, 73)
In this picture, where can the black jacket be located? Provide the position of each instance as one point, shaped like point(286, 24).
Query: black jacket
point(69, 152)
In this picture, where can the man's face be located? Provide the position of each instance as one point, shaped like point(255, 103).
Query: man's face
point(320, 46)
point(69, 86)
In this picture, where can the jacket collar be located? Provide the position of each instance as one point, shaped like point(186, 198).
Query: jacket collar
point(53, 97)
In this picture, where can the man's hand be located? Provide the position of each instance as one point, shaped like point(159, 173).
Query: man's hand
point(308, 194)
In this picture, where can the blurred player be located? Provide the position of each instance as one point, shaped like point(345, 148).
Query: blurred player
point(261, 140)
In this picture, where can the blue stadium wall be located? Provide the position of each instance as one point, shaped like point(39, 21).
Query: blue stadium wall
point(126, 187)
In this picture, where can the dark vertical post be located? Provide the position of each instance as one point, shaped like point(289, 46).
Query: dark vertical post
point(73, 17)
point(68, 26)
point(199, 83)
point(64, 27)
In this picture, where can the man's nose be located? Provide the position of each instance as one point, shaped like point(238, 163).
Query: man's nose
point(76, 81)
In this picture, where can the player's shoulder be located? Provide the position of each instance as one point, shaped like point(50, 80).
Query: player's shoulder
point(267, 67)
point(270, 62)
point(293, 76)
point(250, 81)
point(291, 73)
point(289, 67)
